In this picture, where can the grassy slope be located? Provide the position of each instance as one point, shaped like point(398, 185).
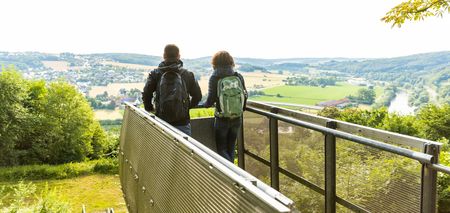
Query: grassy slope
point(96, 192)
point(310, 95)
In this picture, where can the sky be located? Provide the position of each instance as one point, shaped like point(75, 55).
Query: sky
point(245, 28)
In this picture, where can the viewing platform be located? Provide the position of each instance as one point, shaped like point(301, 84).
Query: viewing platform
point(312, 164)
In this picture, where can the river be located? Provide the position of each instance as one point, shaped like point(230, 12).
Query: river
point(400, 105)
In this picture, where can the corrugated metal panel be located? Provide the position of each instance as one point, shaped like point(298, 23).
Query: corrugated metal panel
point(160, 172)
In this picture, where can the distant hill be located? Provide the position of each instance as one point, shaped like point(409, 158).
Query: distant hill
point(131, 58)
point(414, 63)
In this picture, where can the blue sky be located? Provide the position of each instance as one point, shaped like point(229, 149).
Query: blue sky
point(263, 29)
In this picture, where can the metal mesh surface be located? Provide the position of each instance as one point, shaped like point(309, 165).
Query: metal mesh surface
point(257, 169)
point(301, 152)
point(256, 134)
point(160, 174)
point(374, 180)
point(306, 199)
point(377, 181)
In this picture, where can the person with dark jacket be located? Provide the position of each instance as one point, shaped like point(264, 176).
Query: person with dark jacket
point(173, 63)
point(226, 129)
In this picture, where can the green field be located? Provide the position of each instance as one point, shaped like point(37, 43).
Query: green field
point(97, 192)
point(310, 95)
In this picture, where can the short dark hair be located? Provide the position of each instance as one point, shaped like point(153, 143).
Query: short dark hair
point(171, 52)
point(222, 59)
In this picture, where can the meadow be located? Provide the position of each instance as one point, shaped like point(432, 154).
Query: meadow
point(310, 95)
point(94, 184)
point(104, 114)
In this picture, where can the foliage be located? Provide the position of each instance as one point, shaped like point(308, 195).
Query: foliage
point(97, 192)
point(330, 112)
point(62, 171)
point(371, 118)
point(255, 93)
point(19, 199)
point(415, 10)
point(434, 122)
point(45, 123)
point(365, 176)
point(107, 166)
point(250, 68)
point(13, 116)
point(388, 95)
point(366, 96)
point(289, 66)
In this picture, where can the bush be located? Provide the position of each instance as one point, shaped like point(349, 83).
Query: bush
point(18, 198)
point(68, 170)
point(45, 123)
point(107, 166)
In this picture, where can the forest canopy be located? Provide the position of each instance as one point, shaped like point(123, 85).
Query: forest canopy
point(45, 123)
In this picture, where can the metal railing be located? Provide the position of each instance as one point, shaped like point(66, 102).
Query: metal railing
point(163, 170)
point(424, 151)
point(244, 191)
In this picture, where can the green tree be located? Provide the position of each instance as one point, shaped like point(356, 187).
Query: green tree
point(434, 122)
point(42, 123)
point(415, 10)
point(330, 112)
point(72, 122)
point(366, 96)
point(13, 115)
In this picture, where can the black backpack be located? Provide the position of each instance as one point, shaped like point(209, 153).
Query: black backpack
point(173, 104)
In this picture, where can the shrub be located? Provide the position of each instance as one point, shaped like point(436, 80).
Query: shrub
point(107, 166)
point(68, 170)
point(19, 199)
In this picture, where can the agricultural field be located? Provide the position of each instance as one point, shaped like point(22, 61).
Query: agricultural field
point(103, 114)
point(253, 80)
point(57, 65)
point(310, 95)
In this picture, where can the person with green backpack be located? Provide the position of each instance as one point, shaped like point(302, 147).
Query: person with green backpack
point(226, 90)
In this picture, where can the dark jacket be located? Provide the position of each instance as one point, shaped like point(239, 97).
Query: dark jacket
point(218, 74)
point(154, 77)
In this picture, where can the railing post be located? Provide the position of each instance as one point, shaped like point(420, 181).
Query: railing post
point(241, 146)
point(330, 169)
point(429, 180)
point(274, 160)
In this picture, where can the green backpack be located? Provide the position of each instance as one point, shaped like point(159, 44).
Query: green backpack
point(231, 97)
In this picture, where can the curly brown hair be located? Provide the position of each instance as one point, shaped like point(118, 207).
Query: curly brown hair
point(222, 59)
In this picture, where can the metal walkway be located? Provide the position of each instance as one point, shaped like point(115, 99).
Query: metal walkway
point(163, 170)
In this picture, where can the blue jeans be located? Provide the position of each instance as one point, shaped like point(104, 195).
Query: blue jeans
point(186, 129)
point(226, 131)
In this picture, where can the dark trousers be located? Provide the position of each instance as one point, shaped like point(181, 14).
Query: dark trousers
point(186, 129)
point(226, 131)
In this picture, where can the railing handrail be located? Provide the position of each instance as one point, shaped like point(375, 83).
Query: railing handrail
point(242, 177)
point(316, 125)
point(368, 132)
point(422, 157)
point(332, 129)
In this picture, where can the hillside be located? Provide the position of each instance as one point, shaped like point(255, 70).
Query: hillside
point(428, 72)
